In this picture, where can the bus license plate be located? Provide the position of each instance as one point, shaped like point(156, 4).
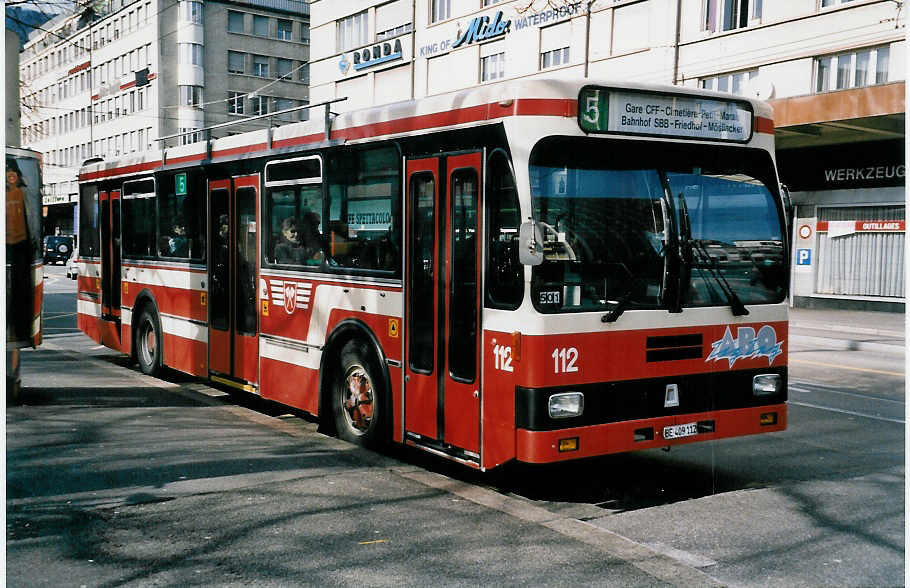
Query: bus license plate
point(677, 431)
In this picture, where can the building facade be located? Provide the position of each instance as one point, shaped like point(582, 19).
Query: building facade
point(834, 71)
point(117, 79)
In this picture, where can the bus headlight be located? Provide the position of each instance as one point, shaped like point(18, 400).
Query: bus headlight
point(766, 384)
point(566, 405)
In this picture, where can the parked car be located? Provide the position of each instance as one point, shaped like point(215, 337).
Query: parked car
point(57, 248)
point(71, 269)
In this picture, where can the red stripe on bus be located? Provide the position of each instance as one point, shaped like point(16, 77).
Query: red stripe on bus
point(764, 125)
point(118, 171)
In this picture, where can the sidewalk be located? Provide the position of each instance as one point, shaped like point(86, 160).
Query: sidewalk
point(882, 332)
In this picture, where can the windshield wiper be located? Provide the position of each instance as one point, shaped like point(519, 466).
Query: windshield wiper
point(698, 246)
point(620, 307)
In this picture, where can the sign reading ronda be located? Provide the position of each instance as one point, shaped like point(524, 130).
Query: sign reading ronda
point(602, 110)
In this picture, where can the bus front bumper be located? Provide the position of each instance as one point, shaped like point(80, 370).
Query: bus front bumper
point(603, 439)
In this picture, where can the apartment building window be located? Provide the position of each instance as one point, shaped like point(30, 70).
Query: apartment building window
point(235, 102)
point(284, 104)
point(235, 62)
point(554, 58)
point(735, 83)
point(235, 21)
point(190, 53)
point(491, 2)
point(189, 136)
point(285, 30)
point(492, 67)
point(190, 95)
point(260, 25)
point(284, 68)
point(440, 10)
point(261, 66)
point(854, 69)
point(259, 105)
point(353, 31)
point(726, 15)
point(191, 11)
point(826, 3)
point(304, 73)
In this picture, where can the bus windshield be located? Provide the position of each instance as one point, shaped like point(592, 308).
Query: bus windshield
point(649, 225)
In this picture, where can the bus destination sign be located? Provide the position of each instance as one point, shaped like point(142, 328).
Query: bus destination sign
point(603, 110)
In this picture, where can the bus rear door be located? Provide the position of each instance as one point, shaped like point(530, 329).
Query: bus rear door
point(233, 316)
point(442, 390)
point(110, 269)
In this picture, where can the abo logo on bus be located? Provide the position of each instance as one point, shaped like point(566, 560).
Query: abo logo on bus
point(746, 345)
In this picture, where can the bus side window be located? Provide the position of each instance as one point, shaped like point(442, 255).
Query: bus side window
point(505, 275)
point(181, 218)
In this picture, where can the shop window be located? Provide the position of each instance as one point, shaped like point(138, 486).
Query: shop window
point(840, 248)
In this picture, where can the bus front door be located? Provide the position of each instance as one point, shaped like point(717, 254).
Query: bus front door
point(443, 274)
point(110, 269)
point(233, 267)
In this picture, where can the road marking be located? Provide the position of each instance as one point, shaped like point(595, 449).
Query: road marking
point(853, 394)
point(843, 367)
point(850, 412)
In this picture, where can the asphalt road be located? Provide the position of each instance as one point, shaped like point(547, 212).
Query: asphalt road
point(117, 479)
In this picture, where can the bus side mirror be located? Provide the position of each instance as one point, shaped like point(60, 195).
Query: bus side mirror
point(530, 244)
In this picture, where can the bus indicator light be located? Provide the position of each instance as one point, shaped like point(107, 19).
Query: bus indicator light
point(265, 308)
point(202, 299)
point(126, 287)
point(570, 444)
point(393, 328)
point(767, 419)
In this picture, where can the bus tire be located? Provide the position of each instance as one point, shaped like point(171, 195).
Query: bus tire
point(148, 342)
point(358, 397)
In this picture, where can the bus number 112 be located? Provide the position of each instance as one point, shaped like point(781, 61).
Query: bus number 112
point(564, 360)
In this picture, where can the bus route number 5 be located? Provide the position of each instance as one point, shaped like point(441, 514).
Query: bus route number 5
point(592, 112)
point(564, 359)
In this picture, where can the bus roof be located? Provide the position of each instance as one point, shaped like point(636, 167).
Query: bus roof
point(482, 104)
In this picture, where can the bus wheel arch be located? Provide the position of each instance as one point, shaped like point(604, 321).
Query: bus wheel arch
point(147, 338)
point(355, 401)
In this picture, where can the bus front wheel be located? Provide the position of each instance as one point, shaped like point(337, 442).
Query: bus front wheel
point(358, 401)
point(149, 342)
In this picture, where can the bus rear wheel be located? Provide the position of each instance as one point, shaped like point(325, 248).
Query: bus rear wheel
point(358, 399)
point(148, 342)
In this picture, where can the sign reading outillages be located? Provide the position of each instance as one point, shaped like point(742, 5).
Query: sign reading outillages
point(602, 110)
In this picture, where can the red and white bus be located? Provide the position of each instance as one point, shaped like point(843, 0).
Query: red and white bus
point(536, 270)
point(24, 290)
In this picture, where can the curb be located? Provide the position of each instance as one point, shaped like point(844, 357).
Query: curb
point(896, 348)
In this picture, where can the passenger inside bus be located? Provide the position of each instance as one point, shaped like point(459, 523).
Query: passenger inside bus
point(18, 254)
point(300, 247)
point(176, 245)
